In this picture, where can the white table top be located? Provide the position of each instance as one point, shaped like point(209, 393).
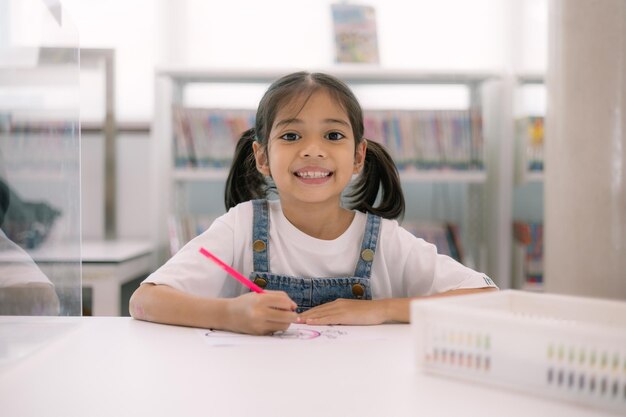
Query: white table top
point(93, 251)
point(104, 366)
point(115, 250)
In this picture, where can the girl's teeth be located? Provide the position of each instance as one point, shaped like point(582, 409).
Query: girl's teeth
point(312, 174)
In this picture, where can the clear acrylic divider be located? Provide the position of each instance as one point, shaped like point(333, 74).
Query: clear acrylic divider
point(40, 245)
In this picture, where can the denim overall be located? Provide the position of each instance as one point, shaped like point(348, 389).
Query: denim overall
point(311, 292)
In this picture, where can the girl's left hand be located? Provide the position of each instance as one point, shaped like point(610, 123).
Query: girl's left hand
point(344, 311)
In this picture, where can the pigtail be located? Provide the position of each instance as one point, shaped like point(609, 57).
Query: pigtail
point(244, 181)
point(378, 170)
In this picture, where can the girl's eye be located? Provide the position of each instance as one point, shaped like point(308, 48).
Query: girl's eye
point(335, 136)
point(290, 137)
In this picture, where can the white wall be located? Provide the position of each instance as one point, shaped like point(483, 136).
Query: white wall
point(421, 34)
point(275, 33)
point(130, 27)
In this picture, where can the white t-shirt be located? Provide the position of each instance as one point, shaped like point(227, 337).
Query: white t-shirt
point(404, 265)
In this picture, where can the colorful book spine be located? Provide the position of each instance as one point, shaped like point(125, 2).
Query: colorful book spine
point(183, 228)
point(445, 236)
point(535, 140)
point(530, 235)
point(207, 137)
point(429, 139)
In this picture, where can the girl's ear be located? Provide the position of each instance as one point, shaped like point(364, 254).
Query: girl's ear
point(359, 156)
point(260, 155)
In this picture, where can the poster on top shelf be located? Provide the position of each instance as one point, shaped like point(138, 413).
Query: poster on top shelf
point(356, 40)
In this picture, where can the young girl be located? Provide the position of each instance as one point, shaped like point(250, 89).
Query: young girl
point(318, 261)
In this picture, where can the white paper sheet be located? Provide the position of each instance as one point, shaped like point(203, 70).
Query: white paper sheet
point(297, 333)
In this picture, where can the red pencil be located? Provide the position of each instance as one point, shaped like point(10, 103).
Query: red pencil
point(232, 271)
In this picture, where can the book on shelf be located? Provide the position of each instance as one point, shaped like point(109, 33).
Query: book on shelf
point(183, 228)
point(475, 125)
point(183, 147)
point(416, 139)
point(444, 235)
point(529, 235)
point(531, 136)
point(429, 139)
point(355, 35)
point(207, 137)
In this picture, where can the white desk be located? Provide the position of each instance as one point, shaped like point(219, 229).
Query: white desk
point(123, 367)
point(106, 266)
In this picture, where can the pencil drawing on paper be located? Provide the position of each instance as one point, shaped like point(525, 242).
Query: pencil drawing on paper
point(293, 333)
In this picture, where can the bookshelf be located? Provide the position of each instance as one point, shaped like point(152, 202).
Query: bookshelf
point(178, 184)
point(527, 204)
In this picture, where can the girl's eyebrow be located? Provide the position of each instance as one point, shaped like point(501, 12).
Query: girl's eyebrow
point(338, 121)
point(287, 122)
point(299, 121)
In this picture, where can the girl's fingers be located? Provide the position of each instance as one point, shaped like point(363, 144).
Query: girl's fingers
point(321, 321)
point(280, 316)
point(280, 300)
point(320, 310)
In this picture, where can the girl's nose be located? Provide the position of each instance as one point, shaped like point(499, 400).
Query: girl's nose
point(312, 148)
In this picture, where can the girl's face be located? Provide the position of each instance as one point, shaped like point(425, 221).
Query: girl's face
point(311, 151)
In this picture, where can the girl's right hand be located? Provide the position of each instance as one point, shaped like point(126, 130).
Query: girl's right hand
point(264, 313)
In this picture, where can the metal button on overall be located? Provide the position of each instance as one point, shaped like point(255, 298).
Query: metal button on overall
point(258, 246)
point(261, 282)
point(367, 255)
point(358, 291)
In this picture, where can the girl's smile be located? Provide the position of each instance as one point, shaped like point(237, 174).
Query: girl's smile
point(312, 175)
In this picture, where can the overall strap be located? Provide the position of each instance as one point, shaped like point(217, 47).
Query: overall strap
point(260, 240)
point(368, 247)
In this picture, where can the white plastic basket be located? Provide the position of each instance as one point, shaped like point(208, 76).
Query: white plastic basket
point(564, 347)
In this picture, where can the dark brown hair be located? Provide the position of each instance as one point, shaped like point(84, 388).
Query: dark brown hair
point(245, 182)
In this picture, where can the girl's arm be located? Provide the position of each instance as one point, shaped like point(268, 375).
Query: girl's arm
point(249, 313)
point(362, 312)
